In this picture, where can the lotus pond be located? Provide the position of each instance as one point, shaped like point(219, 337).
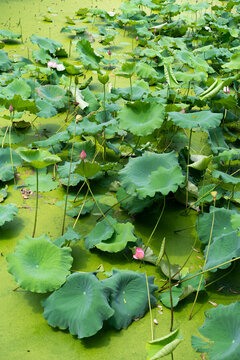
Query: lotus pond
point(119, 180)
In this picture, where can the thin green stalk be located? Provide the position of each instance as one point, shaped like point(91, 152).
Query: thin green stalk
point(149, 303)
point(158, 220)
point(36, 206)
point(84, 201)
point(221, 277)
point(5, 134)
point(203, 190)
point(10, 147)
point(188, 160)
point(170, 291)
point(79, 190)
point(206, 257)
point(130, 79)
point(111, 207)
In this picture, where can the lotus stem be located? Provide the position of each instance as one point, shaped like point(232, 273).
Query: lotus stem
point(78, 216)
point(231, 197)
point(149, 303)
point(10, 147)
point(188, 160)
point(158, 220)
point(130, 80)
point(79, 190)
point(206, 257)
point(170, 291)
point(36, 207)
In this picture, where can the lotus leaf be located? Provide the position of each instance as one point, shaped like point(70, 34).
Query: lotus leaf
point(46, 44)
point(46, 109)
point(102, 231)
point(217, 140)
point(41, 55)
point(234, 63)
point(53, 94)
point(87, 169)
point(5, 63)
point(6, 171)
point(151, 173)
point(200, 119)
point(141, 118)
point(164, 346)
point(226, 178)
point(221, 328)
point(38, 265)
point(7, 34)
point(45, 183)
point(87, 54)
point(3, 193)
point(129, 297)
point(144, 70)
point(201, 162)
point(122, 236)
point(69, 236)
point(7, 212)
point(38, 158)
point(53, 140)
point(235, 221)
point(19, 104)
point(132, 204)
point(17, 87)
point(80, 305)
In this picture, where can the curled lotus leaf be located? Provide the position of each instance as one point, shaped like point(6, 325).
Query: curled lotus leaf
point(38, 158)
point(164, 346)
point(200, 119)
point(129, 296)
point(87, 54)
point(151, 173)
point(80, 305)
point(7, 212)
point(45, 43)
point(141, 118)
point(221, 331)
point(38, 265)
point(226, 178)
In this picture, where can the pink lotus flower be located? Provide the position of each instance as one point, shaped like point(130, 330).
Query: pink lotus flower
point(109, 52)
point(139, 254)
point(136, 38)
point(10, 108)
point(226, 90)
point(83, 155)
point(52, 64)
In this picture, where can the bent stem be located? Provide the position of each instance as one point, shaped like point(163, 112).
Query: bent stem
point(36, 207)
point(206, 257)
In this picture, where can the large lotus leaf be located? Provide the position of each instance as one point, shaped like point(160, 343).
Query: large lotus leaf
point(16, 137)
point(80, 305)
point(38, 158)
point(129, 296)
point(6, 171)
point(222, 223)
point(46, 44)
point(141, 118)
point(217, 140)
point(38, 265)
point(5, 63)
point(235, 221)
point(7, 212)
point(46, 109)
point(200, 119)
point(19, 104)
point(151, 173)
point(103, 230)
point(7, 34)
point(45, 183)
point(224, 248)
point(234, 63)
point(87, 54)
point(87, 146)
point(41, 55)
point(85, 126)
point(87, 169)
point(226, 178)
point(134, 93)
point(55, 139)
point(53, 94)
point(17, 87)
point(227, 156)
point(222, 329)
point(164, 346)
point(144, 70)
point(131, 203)
point(122, 235)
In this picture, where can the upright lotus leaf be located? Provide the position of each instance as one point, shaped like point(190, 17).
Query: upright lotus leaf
point(226, 178)
point(87, 169)
point(129, 296)
point(70, 236)
point(144, 70)
point(151, 173)
point(234, 63)
point(45, 43)
point(200, 119)
point(53, 94)
point(222, 223)
point(127, 70)
point(201, 162)
point(164, 346)
point(87, 54)
point(141, 118)
point(38, 265)
point(103, 230)
point(19, 104)
point(46, 183)
point(223, 248)
point(80, 305)
point(17, 87)
point(42, 56)
point(6, 170)
point(122, 236)
point(7, 212)
point(38, 158)
point(5, 63)
point(222, 330)
point(7, 34)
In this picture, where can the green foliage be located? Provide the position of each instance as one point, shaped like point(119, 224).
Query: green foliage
point(201, 119)
point(46, 44)
point(45, 183)
point(7, 213)
point(6, 170)
point(5, 63)
point(38, 158)
point(87, 54)
point(164, 346)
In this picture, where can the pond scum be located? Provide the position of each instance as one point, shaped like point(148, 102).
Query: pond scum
point(140, 172)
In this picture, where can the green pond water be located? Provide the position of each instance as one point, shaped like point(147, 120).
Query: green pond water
point(24, 333)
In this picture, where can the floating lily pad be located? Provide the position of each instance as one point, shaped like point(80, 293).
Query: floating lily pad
point(221, 329)
point(38, 265)
point(141, 118)
point(7, 213)
point(200, 119)
point(87, 55)
point(129, 297)
point(69, 236)
point(45, 183)
point(80, 305)
point(164, 346)
point(151, 173)
point(41, 55)
point(7, 34)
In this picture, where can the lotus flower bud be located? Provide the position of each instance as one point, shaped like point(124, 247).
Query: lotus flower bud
point(139, 254)
point(10, 108)
point(226, 90)
point(182, 111)
point(214, 194)
point(83, 155)
point(136, 38)
point(109, 52)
